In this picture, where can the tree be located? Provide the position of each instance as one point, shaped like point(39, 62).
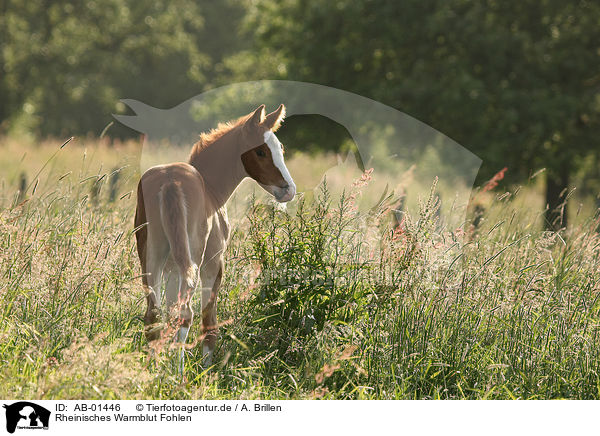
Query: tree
point(66, 64)
point(516, 82)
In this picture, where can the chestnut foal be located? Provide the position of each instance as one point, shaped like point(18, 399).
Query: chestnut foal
point(186, 234)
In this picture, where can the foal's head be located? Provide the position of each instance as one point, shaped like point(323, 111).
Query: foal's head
point(264, 163)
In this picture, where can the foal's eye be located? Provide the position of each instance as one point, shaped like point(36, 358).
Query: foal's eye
point(261, 153)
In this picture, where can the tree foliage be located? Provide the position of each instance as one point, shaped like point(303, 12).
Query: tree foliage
point(516, 82)
point(66, 64)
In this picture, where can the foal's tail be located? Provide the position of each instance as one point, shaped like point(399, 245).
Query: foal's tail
point(173, 213)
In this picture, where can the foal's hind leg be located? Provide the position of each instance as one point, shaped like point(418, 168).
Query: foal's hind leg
point(179, 291)
point(180, 287)
point(152, 270)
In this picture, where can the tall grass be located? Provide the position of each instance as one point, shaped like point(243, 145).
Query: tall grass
point(328, 302)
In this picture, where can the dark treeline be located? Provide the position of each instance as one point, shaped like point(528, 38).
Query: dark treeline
point(516, 82)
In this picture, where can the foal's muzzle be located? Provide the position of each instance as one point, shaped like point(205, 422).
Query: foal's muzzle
point(285, 193)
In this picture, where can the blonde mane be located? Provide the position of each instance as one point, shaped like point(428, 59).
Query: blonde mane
point(209, 138)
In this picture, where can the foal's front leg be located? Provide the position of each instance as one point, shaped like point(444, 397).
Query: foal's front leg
point(211, 282)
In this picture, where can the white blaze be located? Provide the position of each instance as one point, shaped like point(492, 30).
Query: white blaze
point(277, 153)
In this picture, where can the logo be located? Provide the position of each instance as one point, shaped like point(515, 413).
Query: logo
point(26, 415)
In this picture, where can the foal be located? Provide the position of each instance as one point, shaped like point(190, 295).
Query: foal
point(183, 204)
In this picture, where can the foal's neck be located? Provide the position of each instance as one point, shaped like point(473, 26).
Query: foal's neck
point(220, 166)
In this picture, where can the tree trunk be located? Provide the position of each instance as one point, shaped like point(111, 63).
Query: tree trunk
point(557, 186)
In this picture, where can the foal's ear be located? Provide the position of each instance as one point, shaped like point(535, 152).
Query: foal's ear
point(274, 119)
point(257, 117)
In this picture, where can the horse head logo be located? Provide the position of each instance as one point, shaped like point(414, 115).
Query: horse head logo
point(26, 415)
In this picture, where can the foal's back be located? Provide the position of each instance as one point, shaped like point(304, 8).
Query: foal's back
point(189, 184)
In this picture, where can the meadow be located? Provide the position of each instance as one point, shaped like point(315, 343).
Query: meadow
point(328, 302)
